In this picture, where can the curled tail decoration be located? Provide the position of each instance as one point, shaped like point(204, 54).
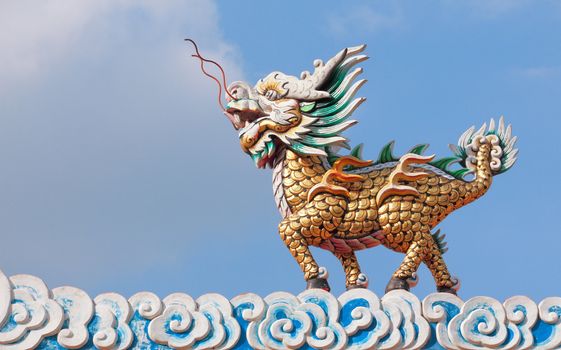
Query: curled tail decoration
point(501, 143)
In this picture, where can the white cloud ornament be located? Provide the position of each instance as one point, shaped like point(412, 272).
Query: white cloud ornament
point(34, 317)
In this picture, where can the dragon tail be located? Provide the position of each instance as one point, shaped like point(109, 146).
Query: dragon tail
point(485, 153)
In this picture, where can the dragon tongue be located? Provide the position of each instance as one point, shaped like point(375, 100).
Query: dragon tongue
point(235, 119)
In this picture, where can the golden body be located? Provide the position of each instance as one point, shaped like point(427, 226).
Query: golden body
point(295, 126)
point(345, 223)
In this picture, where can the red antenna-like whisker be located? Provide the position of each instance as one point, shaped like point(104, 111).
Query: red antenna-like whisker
point(213, 78)
point(198, 55)
point(222, 72)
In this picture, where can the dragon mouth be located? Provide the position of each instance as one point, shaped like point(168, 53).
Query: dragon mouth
point(243, 112)
point(241, 119)
point(266, 156)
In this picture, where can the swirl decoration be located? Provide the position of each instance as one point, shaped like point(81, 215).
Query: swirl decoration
point(34, 317)
point(548, 332)
point(409, 329)
point(79, 310)
point(31, 315)
point(481, 324)
point(112, 315)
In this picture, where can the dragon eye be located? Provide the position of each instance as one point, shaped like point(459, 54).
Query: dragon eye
point(271, 94)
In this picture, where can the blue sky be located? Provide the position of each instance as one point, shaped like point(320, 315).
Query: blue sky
point(119, 172)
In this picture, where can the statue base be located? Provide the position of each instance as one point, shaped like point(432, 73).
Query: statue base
point(34, 317)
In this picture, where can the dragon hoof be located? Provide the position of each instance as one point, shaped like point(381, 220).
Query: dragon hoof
point(452, 290)
point(397, 283)
point(318, 283)
point(354, 286)
point(446, 290)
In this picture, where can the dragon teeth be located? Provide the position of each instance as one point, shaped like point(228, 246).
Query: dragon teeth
point(271, 148)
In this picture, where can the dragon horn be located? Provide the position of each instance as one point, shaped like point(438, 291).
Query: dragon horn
point(323, 71)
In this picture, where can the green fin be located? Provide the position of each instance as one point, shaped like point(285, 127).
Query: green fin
point(386, 155)
point(357, 151)
point(460, 173)
point(332, 158)
point(419, 149)
point(440, 242)
point(443, 163)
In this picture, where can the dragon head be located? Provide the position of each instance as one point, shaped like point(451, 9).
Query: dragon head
point(305, 114)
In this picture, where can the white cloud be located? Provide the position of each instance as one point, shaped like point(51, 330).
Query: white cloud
point(492, 9)
point(366, 19)
point(542, 72)
point(36, 35)
point(105, 120)
point(33, 33)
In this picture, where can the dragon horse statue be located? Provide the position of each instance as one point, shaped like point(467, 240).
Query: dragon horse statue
point(344, 203)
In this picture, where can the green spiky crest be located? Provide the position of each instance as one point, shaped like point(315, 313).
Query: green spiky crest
point(386, 156)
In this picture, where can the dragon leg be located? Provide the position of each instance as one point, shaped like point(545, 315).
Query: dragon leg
point(353, 277)
point(434, 261)
point(289, 230)
point(428, 251)
point(310, 226)
point(408, 268)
